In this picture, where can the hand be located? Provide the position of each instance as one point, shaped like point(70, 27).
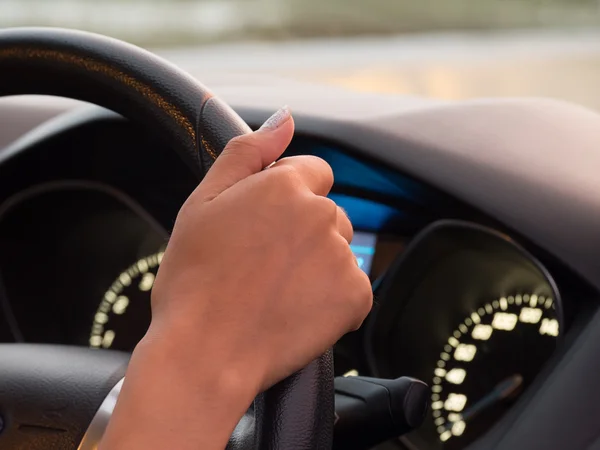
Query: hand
point(258, 280)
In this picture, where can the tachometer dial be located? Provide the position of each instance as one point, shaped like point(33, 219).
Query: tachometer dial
point(489, 359)
point(124, 313)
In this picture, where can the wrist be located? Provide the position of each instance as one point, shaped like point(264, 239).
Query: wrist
point(179, 395)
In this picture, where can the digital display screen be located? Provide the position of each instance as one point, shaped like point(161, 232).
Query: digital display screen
point(363, 247)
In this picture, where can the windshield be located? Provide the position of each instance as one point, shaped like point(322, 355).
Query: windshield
point(450, 49)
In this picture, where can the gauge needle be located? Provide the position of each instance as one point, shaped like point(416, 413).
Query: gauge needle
point(502, 390)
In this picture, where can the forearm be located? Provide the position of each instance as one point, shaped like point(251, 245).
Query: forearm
point(166, 405)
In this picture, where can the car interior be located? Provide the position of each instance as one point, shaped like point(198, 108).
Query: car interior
point(476, 220)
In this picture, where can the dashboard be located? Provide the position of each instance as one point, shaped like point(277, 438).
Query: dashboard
point(473, 308)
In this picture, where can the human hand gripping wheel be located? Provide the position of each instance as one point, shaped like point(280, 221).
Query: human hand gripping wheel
point(257, 281)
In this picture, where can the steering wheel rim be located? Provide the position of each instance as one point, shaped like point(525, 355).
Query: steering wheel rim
point(296, 413)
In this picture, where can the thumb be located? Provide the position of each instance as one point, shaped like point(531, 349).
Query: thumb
point(249, 154)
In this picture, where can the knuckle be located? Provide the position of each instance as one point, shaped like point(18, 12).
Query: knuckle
point(238, 143)
point(361, 298)
point(285, 175)
point(327, 207)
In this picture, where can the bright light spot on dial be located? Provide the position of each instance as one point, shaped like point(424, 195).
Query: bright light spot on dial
point(475, 317)
point(503, 303)
point(436, 413)
point(504, 321)
point(101, 318)
point(518, 300)
point(452, 341)
point(121, 304)
point(146, 282)
point(481, 312)
point(533, 301)
point(456, 376)
point(437, 389)
point(459, 428)
point(463, 328)
point(125, 279)
point(439, 372)
point(142, 265)
point(454, 417)
point(110, 296)
point(437, 380)
point(457, 334)
point(548, 303)
point(435, 397)
point(351, 373)
point(437, 405)
point(447, 348)
point(465, 352)
point(445, 435)
point(441, 363)
point(510, 299)
point(530, 315)
point(549, 327)
point(455, 402)
point(482, 332)
point(445, 356)
point(495, 304)
point(439, 421)
point(109, 337)
point(489, 308)
point(95, 341)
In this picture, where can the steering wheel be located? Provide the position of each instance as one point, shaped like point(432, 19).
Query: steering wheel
point(59, 397)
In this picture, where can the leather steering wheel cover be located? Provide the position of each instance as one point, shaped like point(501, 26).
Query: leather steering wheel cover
point(296, 413)
point(124, 78)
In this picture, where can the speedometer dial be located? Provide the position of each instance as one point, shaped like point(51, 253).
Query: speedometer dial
point(123, 315)
point(489, 359)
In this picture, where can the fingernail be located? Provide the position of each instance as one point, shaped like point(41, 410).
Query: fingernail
point(277, 119)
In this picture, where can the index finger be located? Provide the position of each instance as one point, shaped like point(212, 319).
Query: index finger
point(314, 172)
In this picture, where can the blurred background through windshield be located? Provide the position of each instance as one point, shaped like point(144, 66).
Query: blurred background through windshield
point(449, 49)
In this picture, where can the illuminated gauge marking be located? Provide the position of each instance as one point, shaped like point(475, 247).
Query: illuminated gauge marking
point(439, 372)
point(495, 336)
point(549, 327)
point(351, 373)
point(530, 315)
point(120, 305)
point(101, 318)
point(533, 301)
point(455, 402)
point(482, 332)
point(503, 304)
point(504, 321)
point(456, 376)
point(125, 279)
point(147, 282)
point(108, 338)
point(454, 417)
point(465, 352)
point(123, 314)
point(459, 428)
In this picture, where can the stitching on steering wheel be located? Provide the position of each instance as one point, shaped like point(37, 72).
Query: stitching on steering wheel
point(103, 68)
